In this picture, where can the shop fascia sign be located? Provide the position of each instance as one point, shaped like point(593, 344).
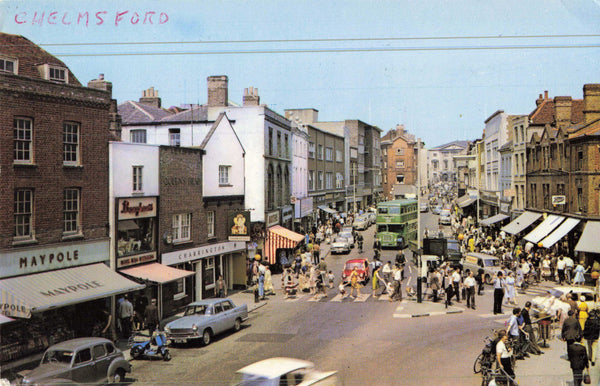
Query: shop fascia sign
point(198, 253)
point(136, 207)
point(50, 257)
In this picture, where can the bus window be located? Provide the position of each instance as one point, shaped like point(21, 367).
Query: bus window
point(394, 210)
point(383, 210)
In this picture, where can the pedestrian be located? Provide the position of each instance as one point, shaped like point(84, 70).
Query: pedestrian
point(469, 285)
point(261, 281)
point(509, 285)
point(513, 332)
point(456, 283)
point(108, 331)
point(126, 317)
point(560, 268)
point(330, 278)
point(151, 317)
point(436, 283)
point(569, 266)
point(503, 354)
point(534, 348)
point(356, 286)
point(316, 253)
point(221, 287)
point(546, 271)
point(571, 329)
point(480, 278)
point(401, 260)
point(591, 332)
point(498, 293)
point(579, 361)
point(579, 274)
point(397, 285)
point(269, 289)
point(342, 289)
point(376, 281)
point(387, 272)
point(583, 312)
point(377, 245)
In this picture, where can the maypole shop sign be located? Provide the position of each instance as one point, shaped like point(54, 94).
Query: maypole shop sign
point(32, 260)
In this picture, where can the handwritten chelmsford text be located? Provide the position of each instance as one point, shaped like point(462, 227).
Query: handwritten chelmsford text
point(94, 18)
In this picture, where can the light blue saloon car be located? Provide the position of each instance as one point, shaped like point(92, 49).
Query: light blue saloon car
point(204, 319)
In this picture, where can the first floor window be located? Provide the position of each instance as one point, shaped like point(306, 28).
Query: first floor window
point(70, 143)
point(210, 217)
point(71, 211)
point(181, 227)
point(23, 213)
point(23, 136)
point(137, 178)
point(137, 136)
point(174, 137)
point(311, 180)
point(224, 174)
point(329, 180)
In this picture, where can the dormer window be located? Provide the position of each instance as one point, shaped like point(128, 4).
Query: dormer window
point(8, 65)
point(57, 74)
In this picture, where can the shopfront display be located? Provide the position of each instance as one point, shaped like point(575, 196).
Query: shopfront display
point(136, 231)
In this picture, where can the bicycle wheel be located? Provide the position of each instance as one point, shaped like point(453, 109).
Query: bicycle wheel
point(477, 364)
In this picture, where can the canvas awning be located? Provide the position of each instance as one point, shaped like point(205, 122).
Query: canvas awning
point(39, 292)
point(520, 223)
point(494, 219)
point(280, 237)
point(127, 225)
point(327, 209)
point(5, 319)
point(467, 202)
point(588, 242)
point(544, 229)
point(156, 273)
point(560, 232)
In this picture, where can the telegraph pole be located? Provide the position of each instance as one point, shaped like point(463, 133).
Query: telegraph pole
point(419, 290)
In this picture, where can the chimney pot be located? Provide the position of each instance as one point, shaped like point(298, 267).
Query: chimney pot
point(546, 94)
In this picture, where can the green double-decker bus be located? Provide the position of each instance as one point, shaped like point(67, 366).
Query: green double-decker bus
point(397, 222)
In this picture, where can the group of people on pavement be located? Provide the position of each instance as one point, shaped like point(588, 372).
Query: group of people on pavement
point(581, 329)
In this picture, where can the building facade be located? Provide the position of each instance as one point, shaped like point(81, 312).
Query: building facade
point(399, 160)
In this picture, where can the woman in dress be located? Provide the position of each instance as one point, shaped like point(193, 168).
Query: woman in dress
point(546, 272)
point(269, 289)
point(583, 312)
point(579, 275)
point(313, 279)
point(354, 282)
point(509, 285)
point(377, 281)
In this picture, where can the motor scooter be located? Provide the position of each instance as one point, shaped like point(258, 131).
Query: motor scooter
point(155, 347)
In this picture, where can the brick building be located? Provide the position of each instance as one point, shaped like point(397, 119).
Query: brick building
point(399, 160)
point(53, 232)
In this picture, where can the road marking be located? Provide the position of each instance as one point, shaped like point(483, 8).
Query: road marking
point(337, 298)
point(362, 298)
point(384, 296)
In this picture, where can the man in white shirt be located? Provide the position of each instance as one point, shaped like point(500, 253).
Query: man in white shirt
point(560, 267)
point(397, 295)
point(469, 284)
point(387, 272)
point(569, 265)
point(456, 283)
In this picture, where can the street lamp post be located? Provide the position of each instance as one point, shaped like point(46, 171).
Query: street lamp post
point(419, 290)
point(354, 186)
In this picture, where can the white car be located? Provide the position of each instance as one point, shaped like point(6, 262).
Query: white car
point(283, 371)
point(340, 245)
point(348, 235)
point(361, 223)
point(444, 218)
point(538, 303)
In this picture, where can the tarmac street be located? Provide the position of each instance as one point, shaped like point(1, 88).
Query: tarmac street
point(368, 340)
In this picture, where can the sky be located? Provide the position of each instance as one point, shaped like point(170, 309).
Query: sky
point(439, 67)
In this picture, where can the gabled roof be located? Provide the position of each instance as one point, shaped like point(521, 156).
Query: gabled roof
point(214, 128)
point(134, 112)
point(30, 56)
point(591, 129)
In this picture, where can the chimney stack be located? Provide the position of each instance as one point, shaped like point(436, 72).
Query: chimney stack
point(591, 102)
point(218, 90)
point(100, 84)
point(150, 97)
point(251, 97)
point(562, 110)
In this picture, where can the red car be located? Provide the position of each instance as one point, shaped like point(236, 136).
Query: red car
point(362, 266)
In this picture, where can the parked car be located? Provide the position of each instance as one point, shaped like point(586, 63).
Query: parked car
point(80, 361)
point(424, 207)
point(362, 265)
point(206, 318)
point(340, 245)
point(348, 235)
point(538, 303)
point(283, 371)
point(361, 223)
point(437, 209)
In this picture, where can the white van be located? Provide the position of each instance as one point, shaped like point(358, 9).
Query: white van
point(490, 265)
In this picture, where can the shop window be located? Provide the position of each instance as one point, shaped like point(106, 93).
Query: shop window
point(180, 289)
point(210, 217)
point(135, 236)
point(23, 140)
point(181, 227)
point(209, 272)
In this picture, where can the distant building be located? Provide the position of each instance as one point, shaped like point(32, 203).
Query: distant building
point(440, 161)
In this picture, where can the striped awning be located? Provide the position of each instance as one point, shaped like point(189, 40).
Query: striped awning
point(520, 223)
point(494, 219)
point(279, 237)
point(588, 242)
point(560, 232)
point(548, 225)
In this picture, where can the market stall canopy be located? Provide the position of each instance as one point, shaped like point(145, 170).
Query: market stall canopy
point(63, 287)
point(280, 237)
point(157, 273)
point(327, 209)
point(520, 223)
point(560, 232)
point(542, 230)
point(494, 219)
point(589, 240)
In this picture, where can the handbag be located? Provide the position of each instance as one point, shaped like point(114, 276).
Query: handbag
point(586, 377)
